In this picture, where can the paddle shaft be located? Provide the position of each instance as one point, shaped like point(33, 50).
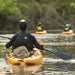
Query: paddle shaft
point(49, 51)
point(5, 37)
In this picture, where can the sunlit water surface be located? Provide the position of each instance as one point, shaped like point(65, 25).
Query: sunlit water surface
point(52, 65)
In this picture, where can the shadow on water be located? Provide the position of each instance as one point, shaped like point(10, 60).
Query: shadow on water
point(63, 65)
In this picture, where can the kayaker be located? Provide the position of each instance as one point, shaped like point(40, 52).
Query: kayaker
point(39, 27)
point(23, 38)
point(67, 28)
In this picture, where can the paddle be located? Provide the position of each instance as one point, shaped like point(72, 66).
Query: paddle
point(34, 31)
point(73, 21)
point(61, 54)
point(46, 23)
point(5, 37)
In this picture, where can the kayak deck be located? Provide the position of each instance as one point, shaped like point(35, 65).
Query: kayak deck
point(41, 32)
point(68, 32)
point(34, 59)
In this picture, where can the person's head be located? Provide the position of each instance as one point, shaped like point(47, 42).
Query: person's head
point(22, 25)
point(39, 23)
point(67, 25)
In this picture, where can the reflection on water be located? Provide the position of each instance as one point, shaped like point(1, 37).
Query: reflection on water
point(52, 65)
point(8, 69)
point(24, 69)
point(55, 66)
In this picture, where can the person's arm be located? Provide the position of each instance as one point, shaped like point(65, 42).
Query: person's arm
point(36, 43)
point(43, 27)
point(9, 44)
point(36, 27)
point(70, 28)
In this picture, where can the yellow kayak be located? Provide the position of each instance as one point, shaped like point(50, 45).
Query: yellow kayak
point(68, 32)
point(34, 59)
point(41, 32)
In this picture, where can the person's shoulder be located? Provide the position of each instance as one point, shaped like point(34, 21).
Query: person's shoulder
point(17, 33)
point(29, 34)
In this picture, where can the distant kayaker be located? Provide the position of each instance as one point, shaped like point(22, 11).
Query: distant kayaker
point(67, 28)
point(39, 27)
point(25, 39)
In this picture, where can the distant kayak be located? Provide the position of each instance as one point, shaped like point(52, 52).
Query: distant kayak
point(68, 32)
point(41, 32)
point(36, 58)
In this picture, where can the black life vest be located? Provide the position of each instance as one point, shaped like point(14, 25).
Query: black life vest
point(23, 40)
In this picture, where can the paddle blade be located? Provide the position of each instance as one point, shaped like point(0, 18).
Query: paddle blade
point(63, 55)
point(34, 31)
point(73, 21)
point(46, 23)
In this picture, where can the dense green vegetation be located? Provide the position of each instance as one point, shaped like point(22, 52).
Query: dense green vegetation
point(56, 12)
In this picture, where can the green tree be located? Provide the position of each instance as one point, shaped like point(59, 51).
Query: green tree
point(66, 9)
point(7, 8)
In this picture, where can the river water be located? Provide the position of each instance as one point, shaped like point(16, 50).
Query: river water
point(51, 65)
